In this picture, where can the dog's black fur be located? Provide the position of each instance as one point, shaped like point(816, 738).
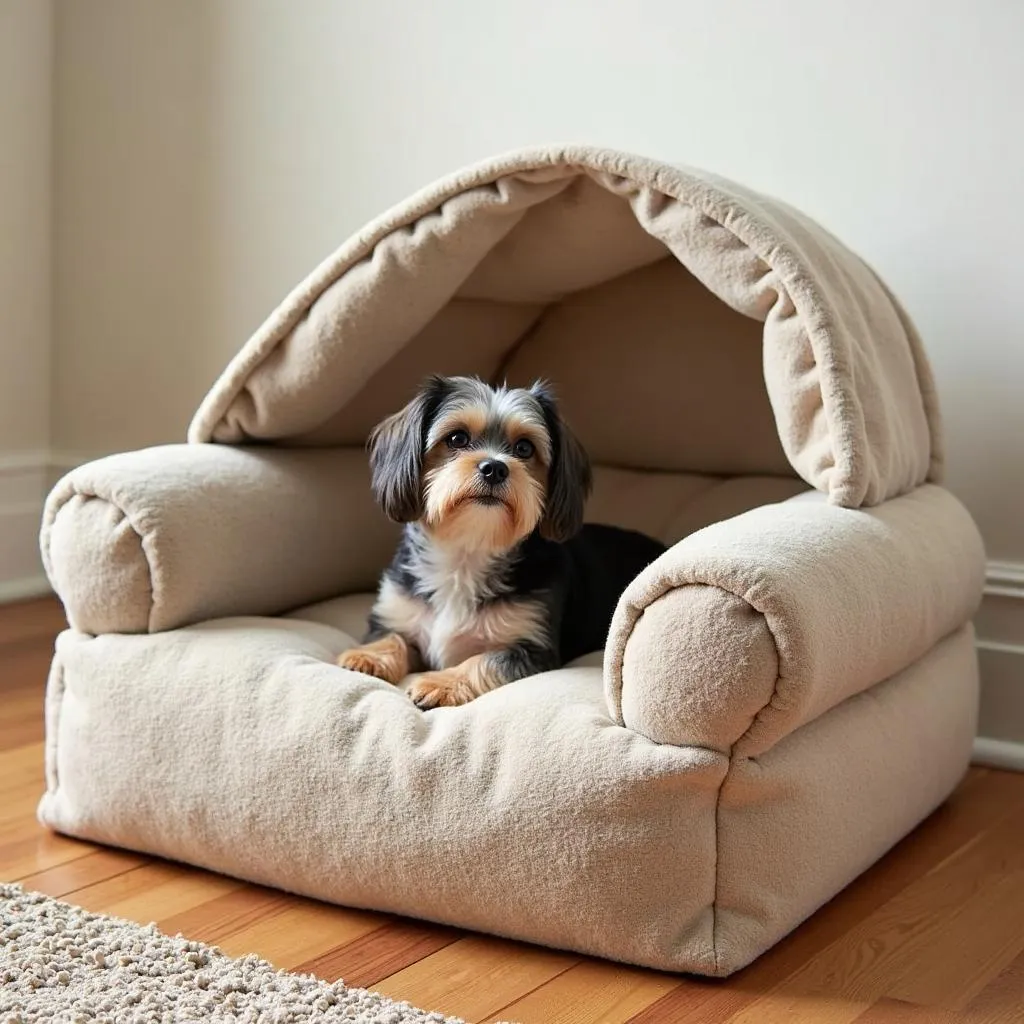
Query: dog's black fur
point(509, 560)
point(579, 581)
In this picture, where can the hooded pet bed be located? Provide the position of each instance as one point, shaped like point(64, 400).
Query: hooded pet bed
point(783, 694)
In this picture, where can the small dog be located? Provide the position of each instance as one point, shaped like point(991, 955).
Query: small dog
point(496, 577)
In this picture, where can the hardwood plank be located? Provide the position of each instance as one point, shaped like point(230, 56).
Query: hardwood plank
point(223, 916)
point(1001, 1001)
point(954, 971)
point(475, 977)
point(301, 931)
point(38, 850)
point(76, 874)
point(39, 619)
point(782, 1008)
point(21, 768)
point(592, 992)
point(385, 951)
point(22, 720)
point(894, 1011)
point(154, 892)
point(698, 1001)
point(18, 812)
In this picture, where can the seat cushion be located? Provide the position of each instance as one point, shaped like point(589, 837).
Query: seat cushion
point(238, 745)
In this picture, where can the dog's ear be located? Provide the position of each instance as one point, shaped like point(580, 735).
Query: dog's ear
point(396, 453)
point(569, 475)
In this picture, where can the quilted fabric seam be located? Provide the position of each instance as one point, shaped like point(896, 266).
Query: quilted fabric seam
point(52, 773)
point(732, 760)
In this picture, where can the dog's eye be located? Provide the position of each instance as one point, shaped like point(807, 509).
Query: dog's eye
point(523, 449)
point(457, 439)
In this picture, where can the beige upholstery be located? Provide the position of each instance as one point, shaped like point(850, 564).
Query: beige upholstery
point(468, 274)
point(749, 629)
point(168, 536)
point(785, 693)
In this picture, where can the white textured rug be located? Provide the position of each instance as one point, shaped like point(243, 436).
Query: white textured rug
point(62, 965)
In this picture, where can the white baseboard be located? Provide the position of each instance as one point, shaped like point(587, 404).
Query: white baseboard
point(1004, 579)
point(1000, 627)
point(999, 754)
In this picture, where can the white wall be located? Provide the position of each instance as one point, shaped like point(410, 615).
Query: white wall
point(136, 199)
point(25, 102)
point(212, 153)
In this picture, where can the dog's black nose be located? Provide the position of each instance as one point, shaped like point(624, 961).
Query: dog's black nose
point(494, 471)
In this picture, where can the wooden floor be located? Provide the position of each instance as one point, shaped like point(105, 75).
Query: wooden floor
point(934, 934)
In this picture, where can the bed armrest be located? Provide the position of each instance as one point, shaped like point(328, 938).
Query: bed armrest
point(748, 629)
point(154, 539)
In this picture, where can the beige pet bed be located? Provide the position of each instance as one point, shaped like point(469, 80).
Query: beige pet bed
point(783, 695)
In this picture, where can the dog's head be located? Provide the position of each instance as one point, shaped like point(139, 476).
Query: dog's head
point(479, 465)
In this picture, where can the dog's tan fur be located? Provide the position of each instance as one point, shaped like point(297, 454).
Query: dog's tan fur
point(451, 511)
point(387, 659)
point(451, 687)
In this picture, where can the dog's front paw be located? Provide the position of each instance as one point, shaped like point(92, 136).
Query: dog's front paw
point(446, 689)
point(386, 659)
point(359, 660)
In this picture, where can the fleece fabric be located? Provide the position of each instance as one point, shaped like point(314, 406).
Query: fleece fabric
point(784, 694)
